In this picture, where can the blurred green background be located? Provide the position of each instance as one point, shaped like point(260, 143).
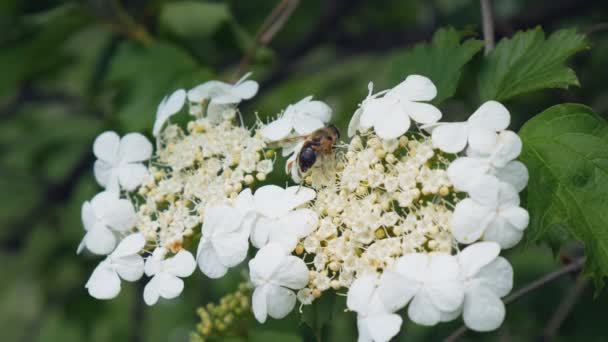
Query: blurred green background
point(72, 69)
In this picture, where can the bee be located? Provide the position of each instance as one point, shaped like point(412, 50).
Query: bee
point(313, 147)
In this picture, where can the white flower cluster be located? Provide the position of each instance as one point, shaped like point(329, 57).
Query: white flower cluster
point(398, 217)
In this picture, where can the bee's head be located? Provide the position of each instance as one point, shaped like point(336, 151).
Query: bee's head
point(335, 130)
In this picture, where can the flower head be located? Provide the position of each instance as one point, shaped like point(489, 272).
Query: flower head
point(168, 107)
point(166, 274)
point(124, 262)
point(119, 161)
point(303, 117)
point(275, 273)
point(102, 217)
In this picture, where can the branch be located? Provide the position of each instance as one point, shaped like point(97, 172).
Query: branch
point(488, 25)
point(567, 304)
point(575, 266)
point(270, 27)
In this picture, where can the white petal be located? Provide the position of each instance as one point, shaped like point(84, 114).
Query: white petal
point(360, 293)
point(104, 174)
point(130, 245)
point(465, 170)
point(306, 124)
point(87, 213)
point(244, 201)
point(476, 256)
point(153, 263)
point(105, 146)
point(507, 196)
point(231, 248)
point(246, 90)
point(278, 129)
point(445, 287)
point(482, 140)
point(373, 110)
point(396, 291)
point(271, 201)
point(221, 219)
point(168, 107)
point(353, 124)
point(384, 327)
point(259, 304)
point(267, 260)
point(301, 222)
point(492, 116)
point(485, 190)
point(363, 329)
point(450, 137)
point(413, 266)
point(508, 147)
point(118, 214)
point(260, 233)
point(181, 264)
point(104, 282)
point(516, 216)
point(292, 273)
point(514, 173)
point(280, 301)
point(317, 109)
point(467, 221)
point(100, 240)
point(483, 310)
point(134, 147)
point(298, 195)
point(130, 268)
point(152, 291)
point(392, 123)
point(209, 262)
point(414, 88)
point(169, 286)
point(497, 276)
point(422, 311)
point(447, 316)
point(423, 113)
point(132, 175)
point(502, 232)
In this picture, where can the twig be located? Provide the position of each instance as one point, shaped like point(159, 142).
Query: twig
point(564, 308)
point(138, 314)
point(133, 28)
point(270, 27)
point(575, 266)
point(488, 25)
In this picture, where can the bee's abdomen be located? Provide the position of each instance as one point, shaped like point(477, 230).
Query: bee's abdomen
point(307, 158)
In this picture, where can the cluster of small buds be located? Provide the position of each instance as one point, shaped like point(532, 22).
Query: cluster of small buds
point(387, 198)
point(225, 318)
point(209, 164)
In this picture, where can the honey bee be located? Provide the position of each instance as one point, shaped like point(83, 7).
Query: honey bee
point(313, 147)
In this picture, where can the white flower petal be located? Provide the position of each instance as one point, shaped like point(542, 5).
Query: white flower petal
point(445, 288)
point(392, 123)
point(130, 268)
point(106, 145)
point(423, 113)
point(134, 147)
point(169, 286)
point(130, 245)
point(271, 201)
point(373, 110)
point(360, 293)
point(382, 328)
point(396, 291)
point(181, 264)
point(260, 233)
point(514, 173)
point(131, 175)
point(117, 214)
point(414, 88)
point(306, 124)
point(87, 214)
point(301, 222)
point(221, 219)
point(413, 266)
point(464, 171)
point(422, 311)
point(492, 116)
point(246, 90)
point(280, 301)
point(483, 310)
point(450, 137)
point(100, 240)
point(259, 304)
point(496, 276)
point(486, 191)
point(292, 273)
point(516, 216)
point(209, 262)
point(104, 282)
point(267, 260)
point(467, 221)
point(104, 176)
point(507, 196)
point(278, 129)
point(317, 109)
point(169, 106)
point(298, 195)
point(152, 291)
point(508, 147)
point(502, 232)
point(482, 140)
point(353, 125)
point(476, 256)
point(231, 248)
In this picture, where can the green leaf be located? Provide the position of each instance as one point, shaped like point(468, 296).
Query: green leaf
point(441, 60)
point(318, 315)
point(529, 62)
point(193, 19)
point(146, 75)
point(566, 152)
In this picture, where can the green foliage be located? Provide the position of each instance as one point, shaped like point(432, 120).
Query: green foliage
point(566, 151)
point(193, 19)
point(319, 314)
point(441, 60)
point(528, 62)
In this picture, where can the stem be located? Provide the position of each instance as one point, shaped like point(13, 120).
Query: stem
point(133, 29)
point(575, 266)
point(564, 308)
point(270, 27)
point(488, 25)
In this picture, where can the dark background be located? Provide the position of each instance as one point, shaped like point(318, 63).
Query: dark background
point(70, 70)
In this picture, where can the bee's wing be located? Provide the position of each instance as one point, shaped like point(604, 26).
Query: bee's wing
point(287, 141)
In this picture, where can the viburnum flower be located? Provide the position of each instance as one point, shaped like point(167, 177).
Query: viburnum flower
point(479, 131)
point(432, 280)
point(375, 321)
point(499, 162)
point(119, 161)
point(279, 218)
point(104, 215)
point(224, 242)
point(166, 274)
point(390, 114)
point(221, 93)
point(124, 262)
point(275, 273)
point(303, 117)
point(168, 107)
point(491, 213)
point(487, 278)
